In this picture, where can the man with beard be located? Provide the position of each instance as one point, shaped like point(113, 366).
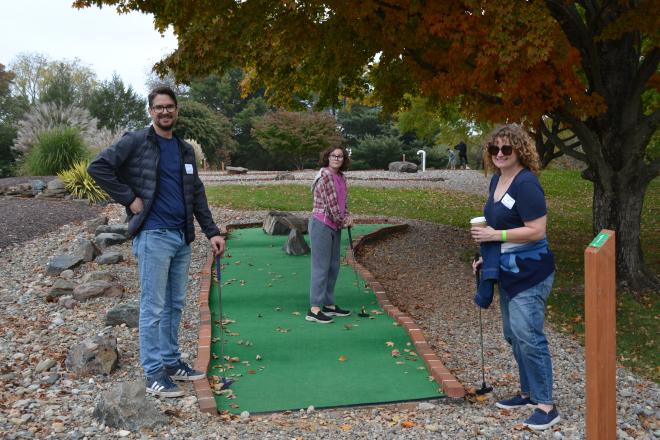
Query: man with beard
point(153, 174)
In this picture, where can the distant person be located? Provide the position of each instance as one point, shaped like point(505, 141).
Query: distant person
point(516, 256)
point(329, 216)
point(153, 174)
point(461, 147)
point(451, 159)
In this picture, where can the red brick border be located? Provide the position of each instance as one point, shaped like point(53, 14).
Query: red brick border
point(450, 385)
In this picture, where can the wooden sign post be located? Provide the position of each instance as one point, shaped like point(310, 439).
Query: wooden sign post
point(600, 335)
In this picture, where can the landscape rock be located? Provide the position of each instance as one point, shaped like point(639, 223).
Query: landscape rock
point(60, 288)
point(67, 274)
point(107, 239)
point(285, 175)
point(60, 263)
point(110, 258)
point(115, 228)
point(93, 224)
point(280, 223)
point(85, 249)
point(296, 244)
point(402, 167)
point(98, 275)
point(128, 314)
point(126, 407)
point(68, 302)
point(96, 355)
point(44, 365)
point(97, 288)
point(236, 170)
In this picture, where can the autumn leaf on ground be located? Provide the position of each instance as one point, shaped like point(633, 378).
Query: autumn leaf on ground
point(233, 405)
point(396, 353)
point(407, 423)
point(348, 326)
point(389, 344)
point(234, 359)
point(481, 398)
point(252, 372)
point(237, 262)
point(376, 312)
point(295, 313)
point(342, 358)
point(345, 427)
point(282, 330)
point(258, 357)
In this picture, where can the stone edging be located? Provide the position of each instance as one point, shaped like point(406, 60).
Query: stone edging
point(450, 385)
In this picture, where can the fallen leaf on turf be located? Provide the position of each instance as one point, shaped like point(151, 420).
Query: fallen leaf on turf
point(258, 357)
point(282, 330)
point(376, 312)
point(233, 405)
point(295, 313)
point(214, 356)
point(252, 372)
point(389, 344)
point(400, 363)
point(238, 262)
point(348, 326)
point(345, 427)
point(407, 423)
point(233, 334)
point(395, 353)
point(234, 359)
point(278, 309)
point(342, 358)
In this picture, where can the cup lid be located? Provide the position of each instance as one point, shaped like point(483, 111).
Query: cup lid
point(478, 220)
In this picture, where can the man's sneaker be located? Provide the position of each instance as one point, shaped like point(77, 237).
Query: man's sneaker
point(337, 311)
point(182, 371)
point(319, 317)
point(162, 385)
point(540, 420)
point(517, 401)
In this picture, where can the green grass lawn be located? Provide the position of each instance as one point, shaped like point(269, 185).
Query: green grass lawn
point(569, 231)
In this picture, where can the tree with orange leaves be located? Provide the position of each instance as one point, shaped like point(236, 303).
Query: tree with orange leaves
point(589, 65)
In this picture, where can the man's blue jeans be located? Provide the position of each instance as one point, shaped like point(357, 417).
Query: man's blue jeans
point(522, 321)
point(163, 261)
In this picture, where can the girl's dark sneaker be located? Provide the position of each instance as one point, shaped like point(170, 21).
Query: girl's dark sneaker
point(337, 311)
point(319, 317)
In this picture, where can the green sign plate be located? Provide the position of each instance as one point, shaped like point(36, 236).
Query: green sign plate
point(599, 240)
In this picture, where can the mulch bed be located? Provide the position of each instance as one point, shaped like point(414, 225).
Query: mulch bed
point(23, 219)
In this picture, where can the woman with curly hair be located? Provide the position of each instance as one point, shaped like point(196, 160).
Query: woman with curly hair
point(329, 215)
point(516, 256)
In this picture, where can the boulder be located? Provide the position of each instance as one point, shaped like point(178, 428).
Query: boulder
point(281, 223)
point(91, 225)
point(55, 184)
point(85, 249)
point(116, 228)
point(125, 407)
point(60, 288)
point(296, 244)
point(97, 288)
point(107, 239)
point(402, 167)
point(110, 258)
point(236, 170)
point(128, 314)
point(37, 185)
point(98, 275)
point(68, 302)
point(60, 263)
point(95, 355)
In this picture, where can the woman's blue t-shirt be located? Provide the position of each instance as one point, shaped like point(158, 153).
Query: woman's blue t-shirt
point(522, 265)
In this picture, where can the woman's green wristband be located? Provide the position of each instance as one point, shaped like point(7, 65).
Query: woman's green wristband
point(503, 234)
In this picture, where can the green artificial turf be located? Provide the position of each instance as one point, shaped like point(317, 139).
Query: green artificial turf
point(348, 362)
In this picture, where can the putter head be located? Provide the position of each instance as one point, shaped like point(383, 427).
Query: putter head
point(483, 390)
point(363, 313)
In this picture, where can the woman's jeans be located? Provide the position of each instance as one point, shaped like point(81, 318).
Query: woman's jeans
point(163, 261)
point(522, 321)
point(325, 262)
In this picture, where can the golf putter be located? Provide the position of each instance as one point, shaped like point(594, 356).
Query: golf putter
point(484, 389)
point(225, 381)
point(363, 313)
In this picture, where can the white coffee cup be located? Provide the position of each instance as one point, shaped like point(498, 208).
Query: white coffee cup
point(478, 222)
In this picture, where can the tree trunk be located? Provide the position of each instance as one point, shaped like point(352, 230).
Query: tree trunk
point(620, 209)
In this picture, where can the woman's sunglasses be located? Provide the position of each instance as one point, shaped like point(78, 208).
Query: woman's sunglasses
point(506, 150)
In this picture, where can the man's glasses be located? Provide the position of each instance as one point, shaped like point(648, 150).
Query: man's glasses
point(336, 157)
point(506, 150)
point(162, 108)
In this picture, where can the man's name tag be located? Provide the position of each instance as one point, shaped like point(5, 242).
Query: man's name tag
point(508, 201)
point(189, 168)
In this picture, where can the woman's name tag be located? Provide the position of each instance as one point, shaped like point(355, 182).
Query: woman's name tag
point(189, 168)
point(508, 201)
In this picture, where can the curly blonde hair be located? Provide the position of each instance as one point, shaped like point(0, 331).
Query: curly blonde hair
point(522, 144)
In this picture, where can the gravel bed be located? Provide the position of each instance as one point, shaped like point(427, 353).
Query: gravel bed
point(471, 181)
point(425, 272)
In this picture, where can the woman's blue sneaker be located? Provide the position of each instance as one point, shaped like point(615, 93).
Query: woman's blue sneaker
point(517, 401)
point(540, 420)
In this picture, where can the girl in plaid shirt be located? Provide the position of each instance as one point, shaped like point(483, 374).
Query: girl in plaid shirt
point(329, 215)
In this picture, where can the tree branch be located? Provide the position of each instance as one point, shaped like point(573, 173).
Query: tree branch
point(562, 145)
point(646, 70)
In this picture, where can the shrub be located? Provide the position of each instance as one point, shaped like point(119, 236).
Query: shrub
point(377, 151)
point(56, 150)
point(80, 184)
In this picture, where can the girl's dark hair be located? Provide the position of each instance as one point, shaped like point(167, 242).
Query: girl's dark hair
point(162, 90)
point(325, 158)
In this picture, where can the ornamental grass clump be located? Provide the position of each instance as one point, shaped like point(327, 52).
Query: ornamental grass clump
point(80, 184)
point(55, 150)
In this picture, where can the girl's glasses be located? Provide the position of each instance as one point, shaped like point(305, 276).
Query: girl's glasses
point(506, 150)
point(336, 157)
